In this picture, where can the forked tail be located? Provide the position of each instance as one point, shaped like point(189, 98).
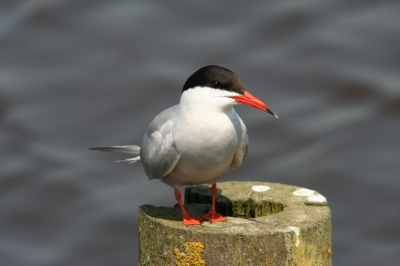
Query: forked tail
point(130, 149)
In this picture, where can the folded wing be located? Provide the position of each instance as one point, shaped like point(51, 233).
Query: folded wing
point(158, 152)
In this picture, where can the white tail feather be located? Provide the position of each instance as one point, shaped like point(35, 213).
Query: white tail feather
point(130, 160)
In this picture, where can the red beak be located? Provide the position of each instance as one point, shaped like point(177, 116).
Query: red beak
point(249, 99)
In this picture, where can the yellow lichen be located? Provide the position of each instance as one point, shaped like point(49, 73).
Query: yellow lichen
point(239, 262)
point(191, 256)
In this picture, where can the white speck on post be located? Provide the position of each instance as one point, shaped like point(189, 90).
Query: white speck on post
point(311, 194)
point(303, 192)
point(317, 198)
point(260, 188)
point(296, 230)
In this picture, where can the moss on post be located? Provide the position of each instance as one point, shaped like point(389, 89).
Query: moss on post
point(268, 224)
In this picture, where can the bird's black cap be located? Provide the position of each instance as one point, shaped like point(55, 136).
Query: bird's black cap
point(215, 77)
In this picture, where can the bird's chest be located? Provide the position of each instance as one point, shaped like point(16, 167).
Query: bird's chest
point(211, 138)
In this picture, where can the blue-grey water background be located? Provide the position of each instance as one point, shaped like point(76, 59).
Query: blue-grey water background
point(76, 74)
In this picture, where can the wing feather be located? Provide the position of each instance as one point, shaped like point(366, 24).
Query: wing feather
point(158, 152)
point(241, 151)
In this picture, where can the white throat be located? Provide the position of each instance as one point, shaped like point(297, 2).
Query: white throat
point(205, 99)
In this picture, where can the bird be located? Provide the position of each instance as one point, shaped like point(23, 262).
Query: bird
point(199, 139)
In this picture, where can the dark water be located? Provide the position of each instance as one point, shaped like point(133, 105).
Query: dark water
point(75, 74)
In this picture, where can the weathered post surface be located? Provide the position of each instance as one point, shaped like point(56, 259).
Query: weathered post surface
point(267, 224)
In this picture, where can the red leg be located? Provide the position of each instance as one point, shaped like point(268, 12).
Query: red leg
point(187, 219)
point(212, 216)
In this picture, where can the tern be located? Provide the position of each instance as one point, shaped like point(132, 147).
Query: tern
point(199, 139)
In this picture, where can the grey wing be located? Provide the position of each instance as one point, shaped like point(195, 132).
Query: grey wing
point(241, 151)
point(245, 140)
point(158, 153)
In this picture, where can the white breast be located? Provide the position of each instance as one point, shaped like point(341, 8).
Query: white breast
point(207, 132)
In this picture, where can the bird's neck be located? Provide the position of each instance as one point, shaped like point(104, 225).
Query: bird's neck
point(206, 101)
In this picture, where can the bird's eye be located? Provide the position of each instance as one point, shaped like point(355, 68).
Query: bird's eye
point(216, 85)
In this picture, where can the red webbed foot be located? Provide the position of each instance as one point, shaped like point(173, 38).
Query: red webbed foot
point(189, 220)
point(213, 217)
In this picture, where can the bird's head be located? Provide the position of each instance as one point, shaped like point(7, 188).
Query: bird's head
point(222, 85)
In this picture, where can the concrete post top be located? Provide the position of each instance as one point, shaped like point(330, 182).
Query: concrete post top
point(266, 224)
point(248, 206)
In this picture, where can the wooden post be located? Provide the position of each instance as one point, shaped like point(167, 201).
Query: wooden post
point(267, 224)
